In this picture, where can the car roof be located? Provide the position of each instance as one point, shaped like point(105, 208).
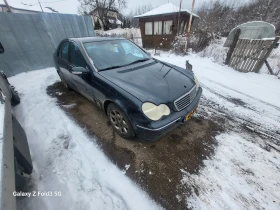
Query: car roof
point(95, 39)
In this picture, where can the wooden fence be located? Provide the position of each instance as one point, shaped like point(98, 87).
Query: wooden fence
point(249, 55)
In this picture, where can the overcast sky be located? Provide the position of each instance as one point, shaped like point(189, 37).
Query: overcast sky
point(70, 6)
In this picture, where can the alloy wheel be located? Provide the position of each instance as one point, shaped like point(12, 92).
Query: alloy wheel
point(118, 121)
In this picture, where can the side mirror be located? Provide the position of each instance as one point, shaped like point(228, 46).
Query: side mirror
point(149, 54)
point(1, 48)
point(79, 70)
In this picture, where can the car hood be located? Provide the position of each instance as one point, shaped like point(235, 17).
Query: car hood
point(153, 81)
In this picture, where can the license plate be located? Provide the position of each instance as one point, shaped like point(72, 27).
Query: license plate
point(190, 114)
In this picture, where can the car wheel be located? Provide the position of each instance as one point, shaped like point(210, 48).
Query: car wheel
point(120, 122)
point(15, 100)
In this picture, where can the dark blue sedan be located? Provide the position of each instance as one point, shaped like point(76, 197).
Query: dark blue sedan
point(141, 96)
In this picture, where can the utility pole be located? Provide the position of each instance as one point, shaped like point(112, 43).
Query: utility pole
point(40, 5)
point(8, 6)
point(178, 26)
point(189, 28)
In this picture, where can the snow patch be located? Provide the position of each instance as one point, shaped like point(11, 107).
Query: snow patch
point(127, 167)
point(236, 178)
point(69, 106)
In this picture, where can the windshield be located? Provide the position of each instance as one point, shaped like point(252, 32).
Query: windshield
point(114, 53)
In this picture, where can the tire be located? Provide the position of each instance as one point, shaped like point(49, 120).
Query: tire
point(120, 121)
point(15, 100)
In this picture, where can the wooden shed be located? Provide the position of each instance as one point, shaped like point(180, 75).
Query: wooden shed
point(160, 26)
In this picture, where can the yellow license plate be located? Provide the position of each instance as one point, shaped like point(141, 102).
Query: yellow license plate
point(190, 114)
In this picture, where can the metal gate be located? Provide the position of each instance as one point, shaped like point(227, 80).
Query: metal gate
point(30, 40)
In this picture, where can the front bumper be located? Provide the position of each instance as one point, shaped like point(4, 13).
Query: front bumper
point(159, 129)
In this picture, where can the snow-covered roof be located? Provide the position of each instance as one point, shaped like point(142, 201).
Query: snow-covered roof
point(164, 9)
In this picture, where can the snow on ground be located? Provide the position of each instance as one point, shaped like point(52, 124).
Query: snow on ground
point(241, 174)
point(260, 86)
point(65, 159)
point(273, 61)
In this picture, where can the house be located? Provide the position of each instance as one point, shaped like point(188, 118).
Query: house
point(4, 8)
point(160, 26)
point(112, 17)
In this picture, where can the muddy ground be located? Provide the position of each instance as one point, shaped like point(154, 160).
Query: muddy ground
point(154, 166)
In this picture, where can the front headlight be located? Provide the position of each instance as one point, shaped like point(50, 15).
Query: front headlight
point(196, 82)
point(155, 112)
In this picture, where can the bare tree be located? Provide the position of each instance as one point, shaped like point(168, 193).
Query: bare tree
point(219, 17)
point(102, 7)
point(138, 11)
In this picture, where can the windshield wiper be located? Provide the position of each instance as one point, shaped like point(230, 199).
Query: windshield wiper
point(114, 67)
point(138, 61)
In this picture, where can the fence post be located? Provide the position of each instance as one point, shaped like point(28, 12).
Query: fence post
point(268, 67)
point(232, 46)
point(259, 66)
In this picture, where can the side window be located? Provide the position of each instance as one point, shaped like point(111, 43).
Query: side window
point(77, 58)
point(64, 51)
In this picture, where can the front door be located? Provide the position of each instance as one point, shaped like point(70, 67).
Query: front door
point(64, 65)
point(81, 80)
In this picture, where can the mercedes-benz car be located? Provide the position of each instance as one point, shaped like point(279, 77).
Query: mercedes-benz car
point(141, 96)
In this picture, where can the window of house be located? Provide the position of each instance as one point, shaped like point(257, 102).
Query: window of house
point(158, 28)
point(149, 28)
point(167, 27)
point(77, 58)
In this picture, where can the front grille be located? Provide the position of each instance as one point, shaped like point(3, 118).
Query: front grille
point(185, 100)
